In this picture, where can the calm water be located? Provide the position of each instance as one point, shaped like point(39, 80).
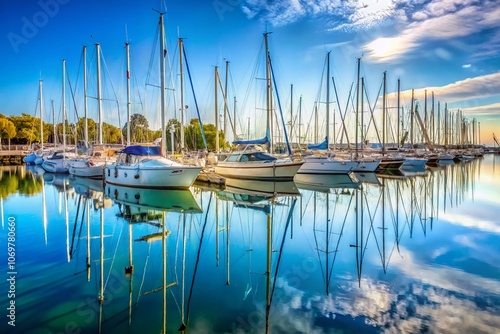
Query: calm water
point(415, 253)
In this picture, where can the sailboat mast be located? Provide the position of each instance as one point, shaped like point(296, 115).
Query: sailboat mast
point(226, 111)
point(181, 45)
point(291, 111)
point(217, 144)
point(328, 100)
point(383, 113)
point(300, 118)
point(162, 87)
point(363, 134)
point(85, 107)
point(411, 116)
point(127, 51)
point(99, 99)
point(64, 101)
point(399, 113)
point(269, 127)
point(41, 113)
point(357, 109)
point(54, 123)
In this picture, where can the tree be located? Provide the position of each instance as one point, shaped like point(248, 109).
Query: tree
point(139, 128)
point(7, 130)
point(27, 127)
point(111, 134)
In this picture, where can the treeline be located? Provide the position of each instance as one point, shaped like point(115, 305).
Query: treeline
point(26, 130)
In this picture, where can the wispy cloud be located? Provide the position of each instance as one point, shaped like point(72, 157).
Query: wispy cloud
point(346, 14)
point(438, 20)
point(464, 90)
point(490, 109)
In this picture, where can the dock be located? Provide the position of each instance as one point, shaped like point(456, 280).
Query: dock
point(11, 157)
point(207, 175)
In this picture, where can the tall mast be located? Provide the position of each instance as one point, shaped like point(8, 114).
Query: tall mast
point(363, 134)
point(445, 124)
point(269, 92)
point(226, 111)
point(291, 111)
point(328, 101)
point(216, 74)
point(357, 108)
point(64, 101)
point(99, 100)
point(181, 44)
point(433, 121)
point(439, 125)
point(127, 51)
point(383, 114)
point(41, 113)
point(399, 113)
point(411, 116)
point(54, 122)
point(426, 120)
point(300, 117)
point(86, 129)
point(162, 87)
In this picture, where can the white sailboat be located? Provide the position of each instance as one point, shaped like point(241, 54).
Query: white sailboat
point(253, 162)
point(146, 166)
point(91, 164)
point(57, 162)
point(326, 164)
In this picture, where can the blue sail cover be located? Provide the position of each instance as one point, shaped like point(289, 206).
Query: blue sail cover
point(142, 150)
point(321, 146)
point(254, 141)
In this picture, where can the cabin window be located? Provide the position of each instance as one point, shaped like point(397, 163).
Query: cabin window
point(232, 158)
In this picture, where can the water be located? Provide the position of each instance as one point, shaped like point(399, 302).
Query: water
point(414, 252)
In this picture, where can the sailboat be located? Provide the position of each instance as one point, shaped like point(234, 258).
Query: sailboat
point(56, 163)
point(326, 164)
point(253, 162)
point(146, 166)
point(92, 164)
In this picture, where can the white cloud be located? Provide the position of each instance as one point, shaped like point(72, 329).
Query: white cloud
point(490, 109)
point(463, 90)
point(352, 14)
point(439, 20)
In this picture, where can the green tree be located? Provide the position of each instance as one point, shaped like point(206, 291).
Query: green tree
point(111, 134)
point(7, 129)
point(27, 127)
point(139, 129)
point(92, 128)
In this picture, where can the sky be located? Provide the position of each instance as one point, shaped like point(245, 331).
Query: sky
point(450, 49)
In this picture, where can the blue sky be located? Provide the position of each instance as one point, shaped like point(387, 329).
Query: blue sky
point(451, 48)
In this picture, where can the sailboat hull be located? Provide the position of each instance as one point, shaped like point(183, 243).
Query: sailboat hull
point(327, 166)
point(269, 170)
point(366, 166)
point(173, 177)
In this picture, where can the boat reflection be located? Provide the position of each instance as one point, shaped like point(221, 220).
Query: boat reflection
point(323, 183)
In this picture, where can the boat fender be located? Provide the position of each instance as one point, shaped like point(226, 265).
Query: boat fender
point(125, 174)
point(116, 193)
point(109, 172)
point(116, 172)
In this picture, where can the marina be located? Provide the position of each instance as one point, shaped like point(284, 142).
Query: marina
point(408, 251)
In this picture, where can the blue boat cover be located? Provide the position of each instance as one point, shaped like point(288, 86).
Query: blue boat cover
point(263, 156)
point(254, 141)
point(321, 146)
point(142, 150)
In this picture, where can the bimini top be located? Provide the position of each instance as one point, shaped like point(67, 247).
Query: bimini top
point(142, 150)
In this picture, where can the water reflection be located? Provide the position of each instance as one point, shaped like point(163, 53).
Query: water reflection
point(410, 252)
